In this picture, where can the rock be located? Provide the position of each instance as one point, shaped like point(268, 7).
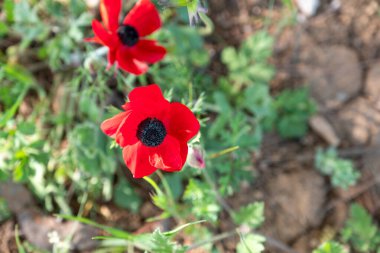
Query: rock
point(307, 242)
point(7, 238)
point(359, 121)
point(333, 73)
point(36, 226)
point(11, 191)
point(294, 204)
point(371, 160)
point(372, 86)
point(308, 7)
point(322, 127)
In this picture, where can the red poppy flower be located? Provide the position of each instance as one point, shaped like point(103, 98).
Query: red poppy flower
point(126, 43)
point(152, 131)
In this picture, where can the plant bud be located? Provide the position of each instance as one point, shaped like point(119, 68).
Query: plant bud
point(196, 157)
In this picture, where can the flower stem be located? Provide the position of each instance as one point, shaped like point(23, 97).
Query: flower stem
point(169, 193)
point(223, 152)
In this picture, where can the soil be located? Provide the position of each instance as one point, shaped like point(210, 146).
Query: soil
point(337, 54)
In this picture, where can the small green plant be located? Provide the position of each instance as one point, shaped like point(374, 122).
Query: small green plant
point(251, 243)
point(360, 230)
point(4, 210)
point(251, 215)
point(330, 247)
point(156, 242)
point(249, 64)
point(202, 200)
point(124, 196)
point(293, 108)
point(342, 172)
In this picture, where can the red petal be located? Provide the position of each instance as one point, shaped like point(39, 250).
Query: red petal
point(110, 126)
point(149, 92)
point(136, 158)
point(167, 155)
point(148, 51)
point(182, 123)
point(103, 35)
point(184, 151)
point(149, 101)
point(144, 17)
point(126, 61)
point(126, 134)
point(94, 40)
point(111, 57)
point(110, 11)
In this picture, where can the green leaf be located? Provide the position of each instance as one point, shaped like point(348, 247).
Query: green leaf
point(229, 55)
point(126, 197)
point(26, 128)
point(162, 244)
point(342, 171)
point(20, 247)
point(8, 6)
point(175, 183)
point(176, 230)
point(113, 231)
point(259, 101)
point(202, 200)
point(330, 247)
point(292, 126)
point(293, 109)
point(89, 107)
point(3, 29)
point(360, 230)
point(251, 215)
point(251, 244)
point(250, 63)
point(4, 210)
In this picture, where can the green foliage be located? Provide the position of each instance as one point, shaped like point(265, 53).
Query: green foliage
point(59, 49)
point(4, 210)
point(202, 200)
point(259, 102)
point(156, 242)
point(125, 196)
point(20, 247)
point(287, 3)
point(251, 244)
point(330, 247)
point(249, 64)
point(15, 83)
point(232, 127)
point(162, 244)
point(293, 108)
point(360, 230)
point(342, 171)
point(251, 215)
point(186, 62)
point(90, 161)
point(28, 23)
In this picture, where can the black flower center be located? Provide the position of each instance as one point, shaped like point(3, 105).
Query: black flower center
point(128, 35)
point(151, 132)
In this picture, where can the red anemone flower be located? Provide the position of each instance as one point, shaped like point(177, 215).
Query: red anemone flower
point(152, 131)
point(125, 41)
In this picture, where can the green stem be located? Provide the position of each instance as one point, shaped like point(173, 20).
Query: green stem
point(169, 193)
point(223, 152)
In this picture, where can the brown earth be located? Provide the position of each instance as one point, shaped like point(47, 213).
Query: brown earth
point(337, 54)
